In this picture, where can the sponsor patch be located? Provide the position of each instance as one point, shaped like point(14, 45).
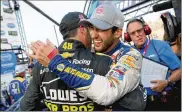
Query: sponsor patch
point(60, 67)
point(113, 79)
point(120, 69)
point(116, 74)
point(67, 45)
point(11, 25)
point(67, 55)
point(134, 53)
point(82, 61)
point(111, 82)
point(129, 58)
point(127, 61)
point(100, 10)
point(77, 73)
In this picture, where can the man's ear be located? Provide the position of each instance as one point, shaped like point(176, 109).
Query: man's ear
point(82, 32)
point(118, 33)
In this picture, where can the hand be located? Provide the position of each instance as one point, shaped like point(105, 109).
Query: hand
point(41, 51)
point(45, 48)
point(160, 85)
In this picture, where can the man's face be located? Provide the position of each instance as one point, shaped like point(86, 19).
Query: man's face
point(30, 71)
point(102, 39)
point(22, 74)
point(136, 32)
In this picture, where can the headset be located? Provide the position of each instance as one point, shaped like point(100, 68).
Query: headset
point(147, 29)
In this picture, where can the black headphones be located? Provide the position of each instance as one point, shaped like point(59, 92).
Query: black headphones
point(147, 29)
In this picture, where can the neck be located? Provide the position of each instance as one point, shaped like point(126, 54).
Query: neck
point(138, 46)
point(113, 45)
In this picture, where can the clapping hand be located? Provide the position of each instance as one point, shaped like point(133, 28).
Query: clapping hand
point(43, 52)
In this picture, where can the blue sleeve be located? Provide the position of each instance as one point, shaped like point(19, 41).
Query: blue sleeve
point(71, 74)
point(168, 57)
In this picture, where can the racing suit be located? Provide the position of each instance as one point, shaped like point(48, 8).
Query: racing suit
point(123, 77)
point(17, 88)
point(55, 93)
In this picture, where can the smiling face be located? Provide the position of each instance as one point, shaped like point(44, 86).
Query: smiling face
point(136, 32)
point(104, 40)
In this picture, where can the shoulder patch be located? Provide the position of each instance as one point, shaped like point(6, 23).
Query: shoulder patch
point(67, 54)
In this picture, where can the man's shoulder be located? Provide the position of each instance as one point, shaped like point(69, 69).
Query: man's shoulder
point(103, 58)
point(159, 43)
point(131, 51)
point(39, 70)
point(18, 79)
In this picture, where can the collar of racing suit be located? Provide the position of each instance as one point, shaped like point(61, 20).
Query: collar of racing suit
point(72, 42)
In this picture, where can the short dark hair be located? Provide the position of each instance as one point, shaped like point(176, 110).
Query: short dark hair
point(72, 33)
point(114, 28)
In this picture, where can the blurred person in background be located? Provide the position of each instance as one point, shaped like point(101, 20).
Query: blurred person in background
point(18, 85)
point(5, 100)
point(176, 88)
point(172, 35)
point(159, 51)
point(30, 66)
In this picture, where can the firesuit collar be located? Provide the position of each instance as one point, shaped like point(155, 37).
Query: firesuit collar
point(74, 43)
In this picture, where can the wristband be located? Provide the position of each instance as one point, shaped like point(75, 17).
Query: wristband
point(52, 54)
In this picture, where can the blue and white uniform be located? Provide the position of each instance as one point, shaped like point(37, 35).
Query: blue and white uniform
point(17, 88)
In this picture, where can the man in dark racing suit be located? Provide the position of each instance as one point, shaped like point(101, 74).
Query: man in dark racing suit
point(46, 85)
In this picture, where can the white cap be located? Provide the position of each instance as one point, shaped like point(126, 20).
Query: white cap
point(20, 69)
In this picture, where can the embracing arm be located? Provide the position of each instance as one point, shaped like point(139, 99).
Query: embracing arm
point(123, 77)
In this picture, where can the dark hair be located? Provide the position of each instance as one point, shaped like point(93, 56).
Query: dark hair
point(114, 28)
point(72, 33)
